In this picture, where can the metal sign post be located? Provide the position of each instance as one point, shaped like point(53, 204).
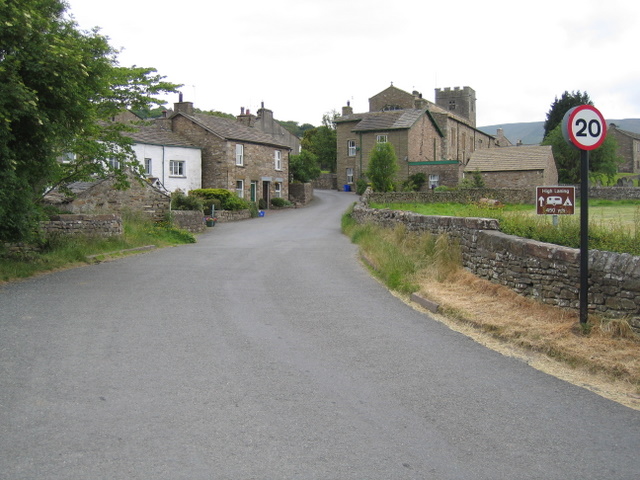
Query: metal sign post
point(585, 128)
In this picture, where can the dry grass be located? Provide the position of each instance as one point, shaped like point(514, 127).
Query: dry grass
point(606, 359)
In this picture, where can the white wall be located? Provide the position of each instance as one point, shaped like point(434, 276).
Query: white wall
point(160, 161)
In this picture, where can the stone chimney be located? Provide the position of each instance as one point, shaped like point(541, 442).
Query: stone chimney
point(245, 118)
point(348, 110)
point(183, 107)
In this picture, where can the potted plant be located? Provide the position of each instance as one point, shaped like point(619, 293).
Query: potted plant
point(211, 221)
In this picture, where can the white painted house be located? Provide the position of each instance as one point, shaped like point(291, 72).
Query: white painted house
point(170, 160)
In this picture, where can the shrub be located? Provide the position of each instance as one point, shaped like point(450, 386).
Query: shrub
point(361, 186)
point(222, 199)
point(262, 204)
point(280, 202)
point(180, 201)
point(415, 182)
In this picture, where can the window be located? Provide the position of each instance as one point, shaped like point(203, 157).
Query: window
point(434, 180)
point(351, 147)
point(278, 159)
point(239, 155)
point(452, 104)
point(147, 167)
point(240, 188)
point(113, 163)
point(381, 139)
point(68, 157)
point(349, 175)
point(176, 168)
point(278, 189)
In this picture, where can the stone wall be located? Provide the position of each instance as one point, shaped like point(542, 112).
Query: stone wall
point(547, 272)
point(612, 193)
point(83, 225)
point(470, 195)
point(300, 193)
point(102, 196)
point(190, 220)
point(232, 215)
point(326, 181)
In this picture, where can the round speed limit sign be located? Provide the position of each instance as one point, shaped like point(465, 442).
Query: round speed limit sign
point(584, 127)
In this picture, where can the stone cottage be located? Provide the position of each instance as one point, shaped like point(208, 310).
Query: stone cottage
point(235, 156)
point(514, 167)
point(436, 139)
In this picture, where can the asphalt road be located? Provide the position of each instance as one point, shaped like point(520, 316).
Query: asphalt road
point(266, 351)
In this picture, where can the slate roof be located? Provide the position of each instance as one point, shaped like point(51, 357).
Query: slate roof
point(155, 135)
point(232, 130)
point(378, 121)
point(634, 135)
point(510, 159)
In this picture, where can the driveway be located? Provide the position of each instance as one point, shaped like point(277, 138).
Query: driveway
point(266, 351)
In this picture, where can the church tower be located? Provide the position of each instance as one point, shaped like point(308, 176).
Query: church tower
point(460, 101)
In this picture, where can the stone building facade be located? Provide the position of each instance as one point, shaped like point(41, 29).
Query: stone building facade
point(628, 148)
point(235, 157)
point(514, 167)
point(427, 138)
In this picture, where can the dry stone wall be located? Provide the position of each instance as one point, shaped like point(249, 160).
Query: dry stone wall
point(300, 193)
point(547, 272)
point(190, 220)
point(83, 225)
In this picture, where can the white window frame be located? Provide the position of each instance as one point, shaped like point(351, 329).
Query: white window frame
point(177, 168)
point(349, 175)
point(434, 180)
point(239, 155)
point(148, 170)
point(278, 189)
point(351, 148)
point(382, 138)
point(115, 164)
point(278, 159)
point(240, 188)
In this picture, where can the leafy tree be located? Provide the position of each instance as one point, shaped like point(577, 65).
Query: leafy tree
point(304, 167)
point(294, 128)
point(215, 113)
point(60, 87)
point(383, 166)
point(322, 142)
point(560, 107)
point(603, 162)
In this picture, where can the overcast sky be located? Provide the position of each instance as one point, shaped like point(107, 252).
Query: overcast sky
point(304, 58)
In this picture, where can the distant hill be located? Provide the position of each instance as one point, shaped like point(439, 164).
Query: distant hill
point(531, 133)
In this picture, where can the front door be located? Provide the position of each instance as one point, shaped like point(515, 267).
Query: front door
point(254, 191)
point(266, 194)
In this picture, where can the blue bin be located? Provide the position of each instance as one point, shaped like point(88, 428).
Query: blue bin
point(261, 214)
point(347, 188)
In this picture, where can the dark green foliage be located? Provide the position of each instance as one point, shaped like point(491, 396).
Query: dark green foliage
point(262, 204)
point(227, 199)
point(304, 167)
point(383, 166)
point(322, 142)
point(415, 182)
point(180, 201)
point(60, 87)
point(280, 202)
point(361, 186)
point(560, 107)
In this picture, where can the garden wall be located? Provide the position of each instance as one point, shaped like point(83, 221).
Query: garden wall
point(107, 225)
point(547, 272)
point(300, 193)
point(190, 220)
point(326, 181)
point(232, 215)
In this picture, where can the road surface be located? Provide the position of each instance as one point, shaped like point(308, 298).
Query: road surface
point(266, 351)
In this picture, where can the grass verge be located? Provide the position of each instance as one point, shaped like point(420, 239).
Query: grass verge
point(62, 252)
point(605, 357)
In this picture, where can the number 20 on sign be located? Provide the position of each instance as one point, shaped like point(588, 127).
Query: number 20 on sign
point(584, 127)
